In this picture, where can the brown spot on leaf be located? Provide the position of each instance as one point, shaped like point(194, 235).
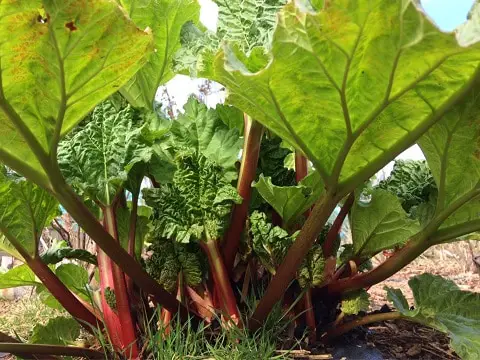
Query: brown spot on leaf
point(71, 26)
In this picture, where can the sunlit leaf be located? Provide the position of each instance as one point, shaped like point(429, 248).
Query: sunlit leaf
point(59, 59)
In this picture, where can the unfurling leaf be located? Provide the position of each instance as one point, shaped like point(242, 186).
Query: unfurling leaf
point(439, 303)
point(412, 182)
point(291, 201)
point(355, 302)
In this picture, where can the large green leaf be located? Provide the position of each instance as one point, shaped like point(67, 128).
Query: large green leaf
point(58, 331)
point(18, 276)
point(452, 149)
point(97, 157)
point(165, 18)
point(352, 85)
point(291, 201)
point(380, 224)
point(439, 303)
point(25, 209)
point(59, 59)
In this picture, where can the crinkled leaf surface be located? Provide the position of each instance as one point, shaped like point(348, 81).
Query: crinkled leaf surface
point(171, 258)
point(25, 209)
point(18, 276)
point(312, 270)
point(197, 204)
point(270, 243)
point(58, 331)
point(380, 224)
point(439, 303)
point(60, 250)
point(97, 157)
point(291, 201)
point(59, 59)
point(452, 149)
point(165, 18)
point(352, 85)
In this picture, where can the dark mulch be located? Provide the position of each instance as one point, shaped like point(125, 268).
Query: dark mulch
point(406, 340)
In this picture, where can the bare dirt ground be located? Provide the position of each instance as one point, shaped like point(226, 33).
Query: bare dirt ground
point(452, 261)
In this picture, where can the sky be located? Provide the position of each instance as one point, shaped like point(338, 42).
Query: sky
point(447, 15)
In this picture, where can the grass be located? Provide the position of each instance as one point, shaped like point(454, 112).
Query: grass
point(19, 316)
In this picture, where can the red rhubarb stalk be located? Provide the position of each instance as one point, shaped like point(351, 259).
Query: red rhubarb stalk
point(301, 171)
point(221, 280)
point(251, 148)
point(337, 225)
point(123, 304)
point(106, 283)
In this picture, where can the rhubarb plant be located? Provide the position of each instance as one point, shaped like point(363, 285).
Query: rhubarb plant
point(321, 96)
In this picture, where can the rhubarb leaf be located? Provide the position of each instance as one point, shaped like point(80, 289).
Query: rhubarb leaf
point(58, 331)
point(73, 276)
point(312, 270)
point(439, 303)
point(20, 275)
point(201, 129)
point(352, 85)
point(291, 201)
point(355, 302)
point(452, 149)
point(25, 209)
point(60, 250)
point(270, 243)
point(7, 247)
point(59, 59)
point(170, 258)
point(380, 224)
point(97, 156)
point(165, 19)
point(197, 204)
